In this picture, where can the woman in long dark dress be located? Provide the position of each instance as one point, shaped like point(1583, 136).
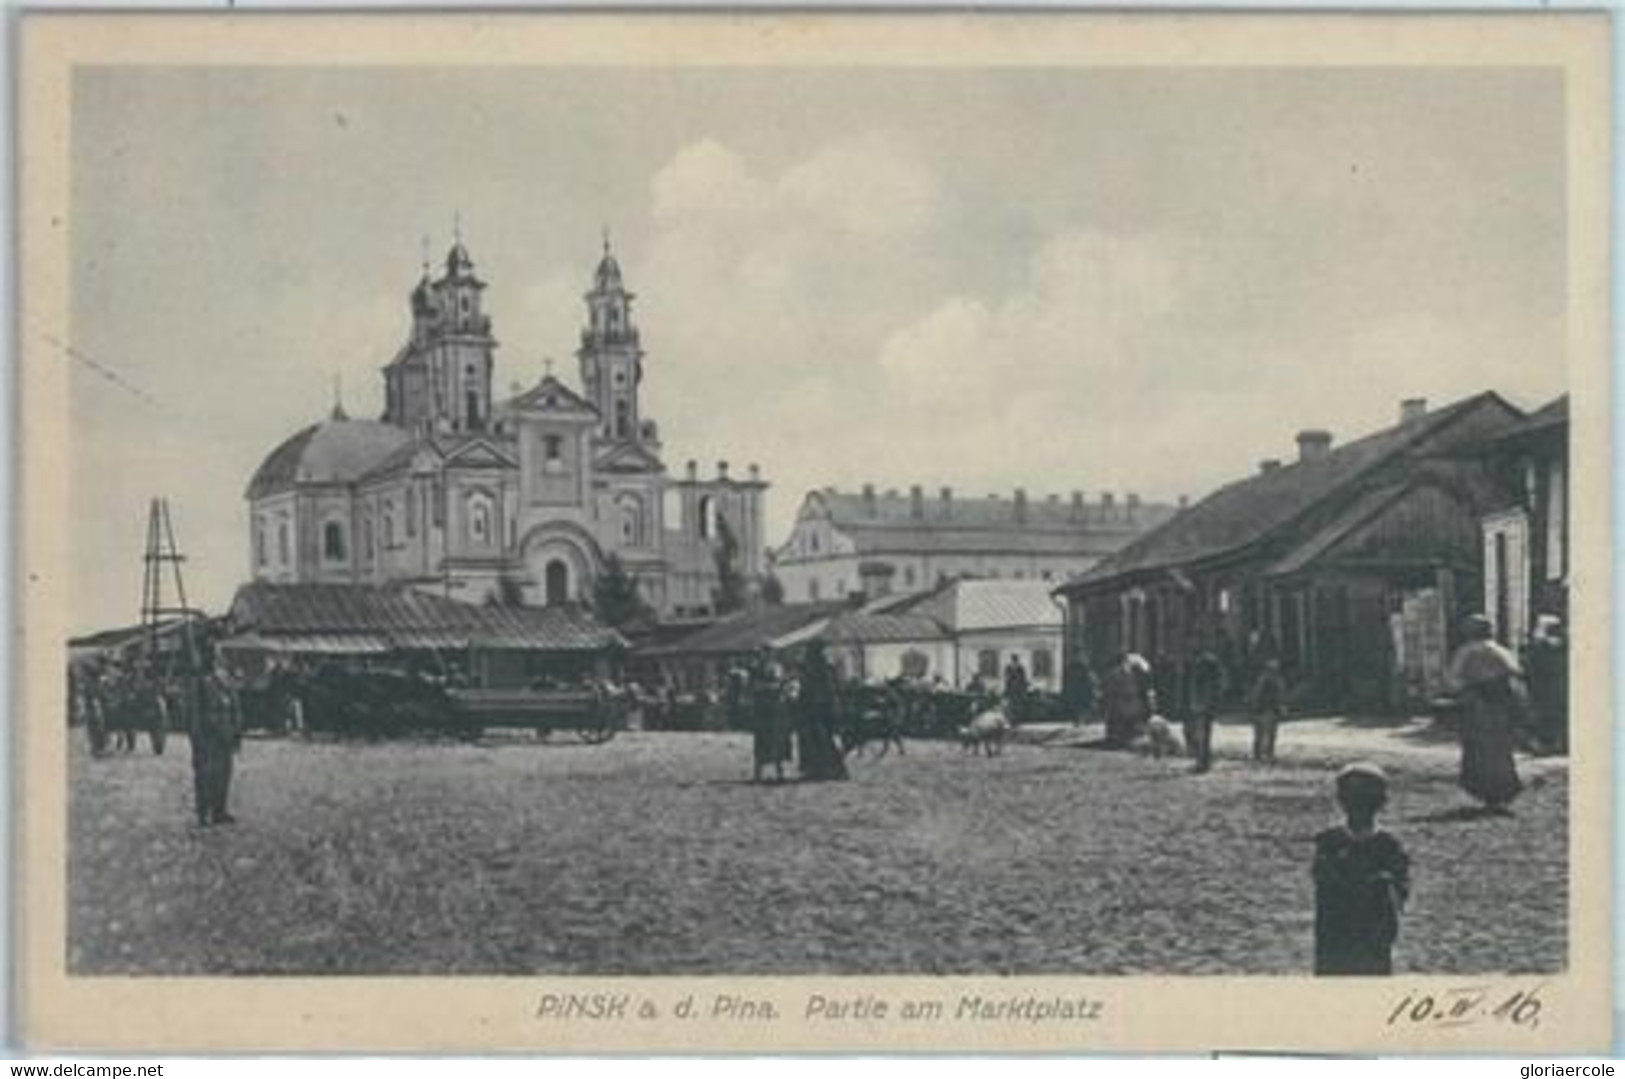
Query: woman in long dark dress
point(770, 729)
point(1489, 682)
point(819, 759)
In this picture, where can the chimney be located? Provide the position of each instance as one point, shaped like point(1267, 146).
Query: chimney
point(1268, 465)
point(722, 470)
point(1412, 409)
point(755, 473)
point(693, 469)
point(1133, 510)
point(1184, 502)
point(1314, 445)
point(947, 498)
point(1021, 505)
point(868, 500)
point(1077, 506)
point(1108, 503)
point(916, 502)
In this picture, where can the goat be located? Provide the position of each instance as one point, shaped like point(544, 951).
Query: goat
point(985, 733)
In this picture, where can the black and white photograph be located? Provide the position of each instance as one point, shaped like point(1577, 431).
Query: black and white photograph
point(566, 501)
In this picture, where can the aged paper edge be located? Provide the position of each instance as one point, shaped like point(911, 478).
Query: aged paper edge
point(1139, 1013)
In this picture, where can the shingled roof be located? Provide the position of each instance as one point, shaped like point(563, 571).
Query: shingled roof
point(749, 630)
point(1250, 510)
point(402, 617)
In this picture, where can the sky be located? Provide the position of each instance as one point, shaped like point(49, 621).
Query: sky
point(1058, 279)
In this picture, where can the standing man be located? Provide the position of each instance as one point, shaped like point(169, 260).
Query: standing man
point(1208, 683)
point(212, 726)
point(1015, 689)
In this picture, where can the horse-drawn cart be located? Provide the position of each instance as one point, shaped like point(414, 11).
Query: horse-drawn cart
point(594, 715)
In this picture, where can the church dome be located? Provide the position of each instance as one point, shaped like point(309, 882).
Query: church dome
point(608, 277)
point(337, 450)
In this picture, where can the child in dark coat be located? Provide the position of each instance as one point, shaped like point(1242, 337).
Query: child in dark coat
point(1362, 879)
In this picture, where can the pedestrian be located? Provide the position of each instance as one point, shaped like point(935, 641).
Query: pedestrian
point(1549, 683)
point(1362, 879)
point(817, 756)
point(1266, 703)
point(1079, 689)
point(213, 729)
point(1015, 689)
point(1487, 678)
point(1208, 683)
point(770, 731)
point(1125, 698)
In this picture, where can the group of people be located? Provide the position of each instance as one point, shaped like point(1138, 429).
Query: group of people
point(196, 694)
point(1132, 696)
point(792, 716)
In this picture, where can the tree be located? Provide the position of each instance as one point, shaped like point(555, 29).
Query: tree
point(729, 594)
point(616, 599)
point(772, 590)
point(510, 592)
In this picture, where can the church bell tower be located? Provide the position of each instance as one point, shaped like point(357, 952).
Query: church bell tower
point(611, 356)
point(441, 380)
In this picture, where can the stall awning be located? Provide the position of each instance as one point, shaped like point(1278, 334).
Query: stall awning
point(325, 644)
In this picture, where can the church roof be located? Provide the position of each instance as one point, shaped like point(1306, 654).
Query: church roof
point(337, 450)
point(550, 395)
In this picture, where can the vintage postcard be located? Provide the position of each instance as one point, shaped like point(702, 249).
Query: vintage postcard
point(1045, 533)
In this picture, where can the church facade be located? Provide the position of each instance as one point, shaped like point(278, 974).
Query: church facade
point(524, 500)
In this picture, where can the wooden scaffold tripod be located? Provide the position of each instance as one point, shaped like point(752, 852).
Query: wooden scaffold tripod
point(163, 554)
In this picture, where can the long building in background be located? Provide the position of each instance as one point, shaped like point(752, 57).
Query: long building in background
point(873, 543)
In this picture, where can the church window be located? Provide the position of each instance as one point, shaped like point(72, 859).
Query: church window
point(623, 417)
point(708, 517)
point(333, 541)
point(620, 378)
point(411, 511)
point(812, 542)
point(282, 542)
point(259, 542)
point(552, 453)
point(389, 527)
point(631, 523)
point(479, 520)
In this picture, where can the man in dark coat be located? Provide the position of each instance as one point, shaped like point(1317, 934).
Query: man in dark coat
point(212, 725)
point(1207, 685)
point(1015, 689)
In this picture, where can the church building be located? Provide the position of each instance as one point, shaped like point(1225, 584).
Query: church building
point(524, 500)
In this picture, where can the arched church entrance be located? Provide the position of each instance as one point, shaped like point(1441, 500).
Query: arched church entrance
point(561, 561)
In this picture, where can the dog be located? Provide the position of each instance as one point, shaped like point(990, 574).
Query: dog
point(985, 733)
point(1161, 740)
